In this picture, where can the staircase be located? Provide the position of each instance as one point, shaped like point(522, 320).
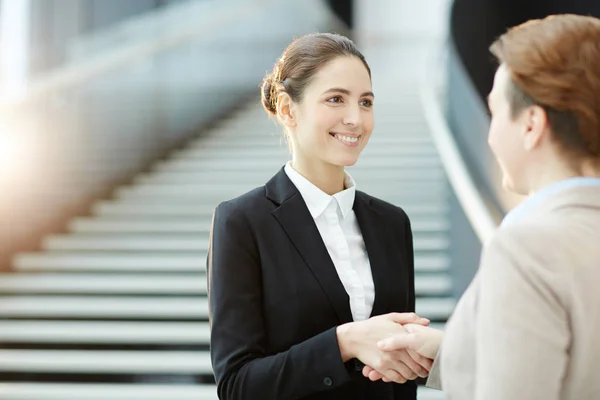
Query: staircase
point(116, 309)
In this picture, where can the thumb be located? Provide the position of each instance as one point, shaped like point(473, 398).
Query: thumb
point(407, 318)
point(397, 342)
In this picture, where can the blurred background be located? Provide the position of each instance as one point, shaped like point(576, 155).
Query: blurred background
point(123, 123)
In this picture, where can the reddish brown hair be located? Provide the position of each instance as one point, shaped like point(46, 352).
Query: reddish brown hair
point(555, 63)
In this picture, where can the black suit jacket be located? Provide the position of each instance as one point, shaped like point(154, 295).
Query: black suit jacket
point(275, 298)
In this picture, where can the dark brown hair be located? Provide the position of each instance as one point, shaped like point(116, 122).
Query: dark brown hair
point(300, 61)
point(555, 63)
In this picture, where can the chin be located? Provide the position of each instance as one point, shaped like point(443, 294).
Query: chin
point(510, 185)
point(345, 161)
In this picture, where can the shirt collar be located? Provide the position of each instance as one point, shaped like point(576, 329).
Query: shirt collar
point(528, 205)
point(317, 200)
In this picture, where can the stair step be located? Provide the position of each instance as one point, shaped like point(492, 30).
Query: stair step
point(149, 308)
point(372, 150)
point(181, 242)
point(166, 262)
point(93, 391)
point(122, 284)
point(195, 225)
point(113, 262)
point(273, 164)
point(164, 209)
point(104, 332)
point(109, 332)
point(261, 177)
point(274, 138)
point(223, 191)
point(106, 361)
point(164, 284)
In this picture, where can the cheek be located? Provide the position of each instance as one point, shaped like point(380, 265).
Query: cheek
point(499, 138)
point(368, 123)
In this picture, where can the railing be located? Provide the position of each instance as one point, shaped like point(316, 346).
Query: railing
point(80, 130)
point(473, 221)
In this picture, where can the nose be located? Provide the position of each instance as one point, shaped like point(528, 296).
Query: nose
point(353, 116)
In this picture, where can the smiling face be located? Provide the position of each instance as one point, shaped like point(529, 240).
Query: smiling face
point(334, 119)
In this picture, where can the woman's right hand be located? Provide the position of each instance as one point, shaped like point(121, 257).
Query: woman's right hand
point(423, 340)
point(359, 340)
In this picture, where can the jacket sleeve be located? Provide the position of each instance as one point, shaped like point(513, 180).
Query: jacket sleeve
point(411, 265)
point(434, 380)
point(243, 368)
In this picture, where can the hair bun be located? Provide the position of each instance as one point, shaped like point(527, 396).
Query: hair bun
point(269, 101)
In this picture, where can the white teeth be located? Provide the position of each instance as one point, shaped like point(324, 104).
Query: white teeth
point(347, 138)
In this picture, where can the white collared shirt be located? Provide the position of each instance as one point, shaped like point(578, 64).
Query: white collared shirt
point(337, 224)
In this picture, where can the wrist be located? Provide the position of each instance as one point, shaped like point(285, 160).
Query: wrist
point(345, 342)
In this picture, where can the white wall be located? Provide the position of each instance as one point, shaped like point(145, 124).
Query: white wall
point(393, 18)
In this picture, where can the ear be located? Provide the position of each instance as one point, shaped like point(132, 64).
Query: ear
point(536, 129)
point(286, 110)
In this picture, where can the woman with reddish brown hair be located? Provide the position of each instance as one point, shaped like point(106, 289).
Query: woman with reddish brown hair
point(528, 326)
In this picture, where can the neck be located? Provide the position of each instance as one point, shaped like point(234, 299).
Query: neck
point(561, 170)
point(327, 177)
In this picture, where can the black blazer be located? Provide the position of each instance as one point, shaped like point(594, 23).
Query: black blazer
point(275, 298)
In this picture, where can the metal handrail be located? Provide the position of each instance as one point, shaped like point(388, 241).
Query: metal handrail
point(470, 199)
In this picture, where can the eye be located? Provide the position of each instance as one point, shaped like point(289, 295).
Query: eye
point(334, 99)
point(366, 103)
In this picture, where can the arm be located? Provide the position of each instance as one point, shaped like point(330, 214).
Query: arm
point(238, 339)
point(522, 333)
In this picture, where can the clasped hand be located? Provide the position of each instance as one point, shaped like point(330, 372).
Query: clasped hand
point(364, 337)
point(416, 339)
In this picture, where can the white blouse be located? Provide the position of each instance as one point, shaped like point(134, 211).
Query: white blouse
point(337, 224)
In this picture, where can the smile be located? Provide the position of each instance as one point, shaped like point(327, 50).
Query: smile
point(348, 140)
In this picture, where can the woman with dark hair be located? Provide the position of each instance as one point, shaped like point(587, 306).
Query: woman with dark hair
point(528, 325)
point(306, 274)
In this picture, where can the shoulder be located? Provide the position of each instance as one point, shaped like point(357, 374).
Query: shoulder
point(533, 252)
point(387, 210)
point(532, 240)
point(241, 207)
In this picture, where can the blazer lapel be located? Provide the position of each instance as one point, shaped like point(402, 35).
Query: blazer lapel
point(295, 219)
point(377, 238)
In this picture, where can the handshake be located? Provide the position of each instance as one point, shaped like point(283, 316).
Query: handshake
point(395, 347)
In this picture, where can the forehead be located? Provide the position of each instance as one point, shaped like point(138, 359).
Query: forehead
point(342, 72)
point(501, 79)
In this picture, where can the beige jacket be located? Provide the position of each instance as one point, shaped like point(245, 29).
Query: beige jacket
point(528, 326)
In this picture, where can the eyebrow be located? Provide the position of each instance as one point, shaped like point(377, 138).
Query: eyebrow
point(346, 91)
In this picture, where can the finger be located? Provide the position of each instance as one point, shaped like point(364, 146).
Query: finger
point(400, 364)
point(394, 368)
point(421, 360)
point(398, 342)
point(366, 371)
point(407, 318)
point(375, 375)
point(406, 366)
point(393, 376)
point(415, 366)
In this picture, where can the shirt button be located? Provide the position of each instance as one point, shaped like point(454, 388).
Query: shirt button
point(327, 381)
